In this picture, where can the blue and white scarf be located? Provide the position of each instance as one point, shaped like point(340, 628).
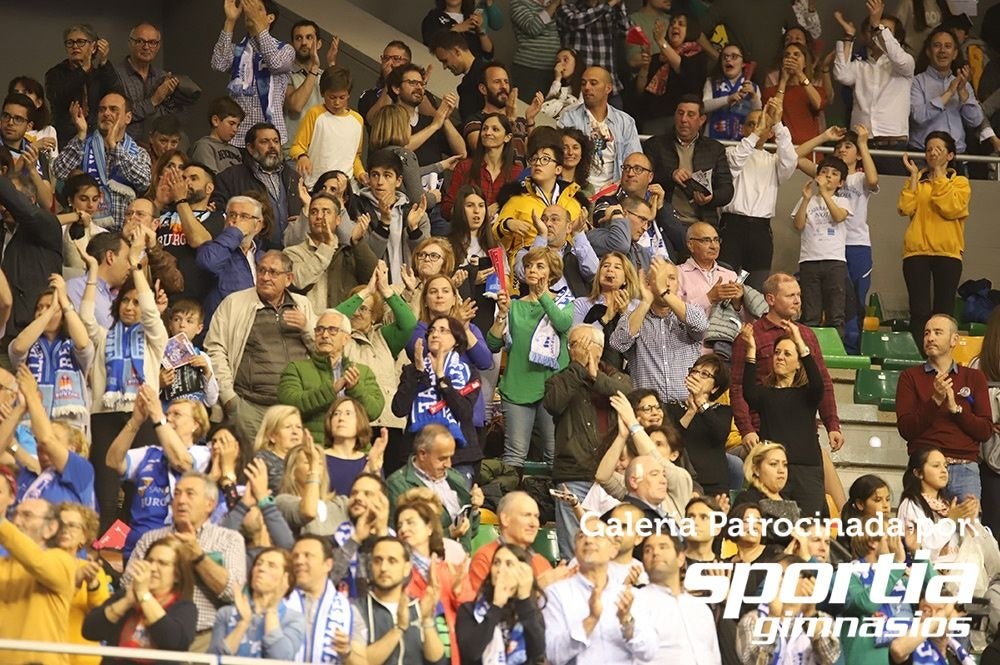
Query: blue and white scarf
point(124, 356)
point(895, 609)
point(927, 654)
point(789, 650)
point(545, 341)
point(508, 646)
point(95, 164)
point(727, 123)
point(333, 612)
point(427, 406)
point(249, 77)
point(60, 379)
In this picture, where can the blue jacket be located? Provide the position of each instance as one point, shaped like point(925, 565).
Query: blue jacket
point(223, 258)
point(622, 127)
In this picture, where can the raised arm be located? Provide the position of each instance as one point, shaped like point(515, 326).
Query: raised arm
point(41, 426)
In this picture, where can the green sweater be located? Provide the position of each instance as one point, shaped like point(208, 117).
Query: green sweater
point(397, 333)
point(308, 386)
point(524, 381)
point(406, 478)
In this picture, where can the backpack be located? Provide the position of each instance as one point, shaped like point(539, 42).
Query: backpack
point(979, 299)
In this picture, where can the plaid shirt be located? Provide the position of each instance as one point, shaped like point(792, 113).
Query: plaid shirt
point(140, 93)
point(592, 32)
point(660, 356)
point(278, 58)
point(213, 540)
point(824, 649)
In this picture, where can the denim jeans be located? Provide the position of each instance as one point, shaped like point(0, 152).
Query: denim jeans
point(566, 523)
point(518, 421)
point(736, 477)
point(963, 480)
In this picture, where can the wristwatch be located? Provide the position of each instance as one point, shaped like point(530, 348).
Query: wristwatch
point(806, 82)
point(13, 448)
point(957, 410)
point(160, 423)
point(146, 597)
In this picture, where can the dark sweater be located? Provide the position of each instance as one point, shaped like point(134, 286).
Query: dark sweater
point(788, 415)
point(474, 637)
point(173, 632)
point(705, 443)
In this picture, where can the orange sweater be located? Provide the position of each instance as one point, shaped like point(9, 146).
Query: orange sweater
point(937, 211)
point(36, 588)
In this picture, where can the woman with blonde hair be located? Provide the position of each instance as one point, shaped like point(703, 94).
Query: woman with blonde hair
point(280, 431)
point(766, 471)
point(616, 286)
point(304, 497)
point(78, 527)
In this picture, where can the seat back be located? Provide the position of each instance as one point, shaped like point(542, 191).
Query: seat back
point(487, 534)
point(871, 386)
point(896, 345)
point(968, 348)
point(829, 342)
point(547, 544)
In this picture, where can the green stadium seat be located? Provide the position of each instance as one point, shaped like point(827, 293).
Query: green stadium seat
point(875, 306)
point(977, 329)
point(891, 350)
point(547, 544)
point(487, 534)
point(887, 404)
point(537, 469)
point(834, 354)
point(872, 386)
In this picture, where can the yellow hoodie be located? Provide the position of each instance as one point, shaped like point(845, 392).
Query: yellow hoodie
point(937, 211)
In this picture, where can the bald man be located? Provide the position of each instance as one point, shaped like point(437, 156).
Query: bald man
point(704, 281)
point(566, 237)
point(612, 132)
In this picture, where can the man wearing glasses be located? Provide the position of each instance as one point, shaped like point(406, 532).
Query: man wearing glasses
point(231, 256)
point(85, 76)
point(704, 281)
point(152, 91)
point(254, 335)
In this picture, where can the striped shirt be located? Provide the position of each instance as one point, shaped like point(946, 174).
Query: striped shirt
point(535, 34)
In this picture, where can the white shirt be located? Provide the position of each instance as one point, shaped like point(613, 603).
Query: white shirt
point(757, 173)
point(602, 171)
point(568, 604)
point(685, 629)
point(857, 192)
point(822, 238)
point(881, 88)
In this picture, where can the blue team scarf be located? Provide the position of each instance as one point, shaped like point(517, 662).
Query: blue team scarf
point(248, 75)
point(727, 122)
point(95, 164)
point(508, 646)
point(60, 379)
point(897, 608)
point(124, 355)
point(333, 612)
point(428, 405)
point(545, 341)
point(927, 654)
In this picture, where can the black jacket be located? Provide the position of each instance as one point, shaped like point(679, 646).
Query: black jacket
point(33, 253)
point(240, 178)
point(708, 154)
point(65, 84)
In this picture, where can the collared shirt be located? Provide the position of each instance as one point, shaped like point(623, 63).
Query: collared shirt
point(927, 114)
point(104, 299)
point(684, 626)
point(448, 496)
point(140, 92)
point(567, 604)
point(224, 546)
point(881, 87)
point(663, 351)
point(594, 30)
point(758, 173)
point(766, 333)
point(580, 247)
point(696, 282)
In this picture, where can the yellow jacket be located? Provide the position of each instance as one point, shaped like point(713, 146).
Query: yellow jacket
point(522, 206)
point(83, 602)
point(325, 157)
point(36, 588)
point(937, 211)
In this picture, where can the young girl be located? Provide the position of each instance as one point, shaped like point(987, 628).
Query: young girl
point(565, 89)
point(730, 96)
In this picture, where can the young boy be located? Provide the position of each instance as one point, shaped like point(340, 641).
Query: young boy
point(860, 184)
point(822, 262)
point(396, 226)
point(214, 150)
point(196, 380)
point(330, 134)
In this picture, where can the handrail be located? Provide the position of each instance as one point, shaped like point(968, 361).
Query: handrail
point(128, 652)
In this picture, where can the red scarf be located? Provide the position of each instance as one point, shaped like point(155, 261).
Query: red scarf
point(134, 633)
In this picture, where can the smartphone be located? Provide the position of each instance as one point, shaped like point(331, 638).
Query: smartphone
point(562, 495)
point(465, 512)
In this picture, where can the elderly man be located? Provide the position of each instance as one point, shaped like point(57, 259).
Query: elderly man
point(335, 623)
point(217, 555)
point(430, 466)
point(152, 91)
point(322, 264)
point(703, 281)
point(944, 406)
point(685, 627)
point(39, 583)
point(661, 336)
point(577, 397)
point(612, 132)
point(253, 336)
point(263, 170)
point(691, 168)
point(231, 255)
point(555, 231)
point(588, 617)
point(109, 155)
point(312, 385)
point(647, 487)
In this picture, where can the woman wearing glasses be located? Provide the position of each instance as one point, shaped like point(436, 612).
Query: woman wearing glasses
point(77, 528)
point(85, 76)
point(432, 256)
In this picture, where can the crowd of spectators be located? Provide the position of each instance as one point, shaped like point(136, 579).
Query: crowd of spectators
point(267, 393)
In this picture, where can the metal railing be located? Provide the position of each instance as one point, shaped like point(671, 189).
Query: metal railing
point(139, 654)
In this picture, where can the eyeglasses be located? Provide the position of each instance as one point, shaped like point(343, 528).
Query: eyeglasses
point(636, 169)
point(268, 272)
point(705, 374)
point(541, 160)
point(77, 43)
point(646, 221)
point(12, 119)
point(242, 216)
point(393, 58)
point(416, 82)
point(709, 240)
point(428, 256)
point(649, 408)
point(328, 330)
point(151, 43)
point(73, 525)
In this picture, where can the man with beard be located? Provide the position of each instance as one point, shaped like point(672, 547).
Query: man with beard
point(431, 137)
point(263, 169)
point(190, 225)
point(500, 98)
point(303, 88)
point(334, 627)
point(395, 54)
point(367, 520)
point(109, 155)
point(392, 616)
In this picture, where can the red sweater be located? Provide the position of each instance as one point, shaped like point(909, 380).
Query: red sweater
point(924, 424)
